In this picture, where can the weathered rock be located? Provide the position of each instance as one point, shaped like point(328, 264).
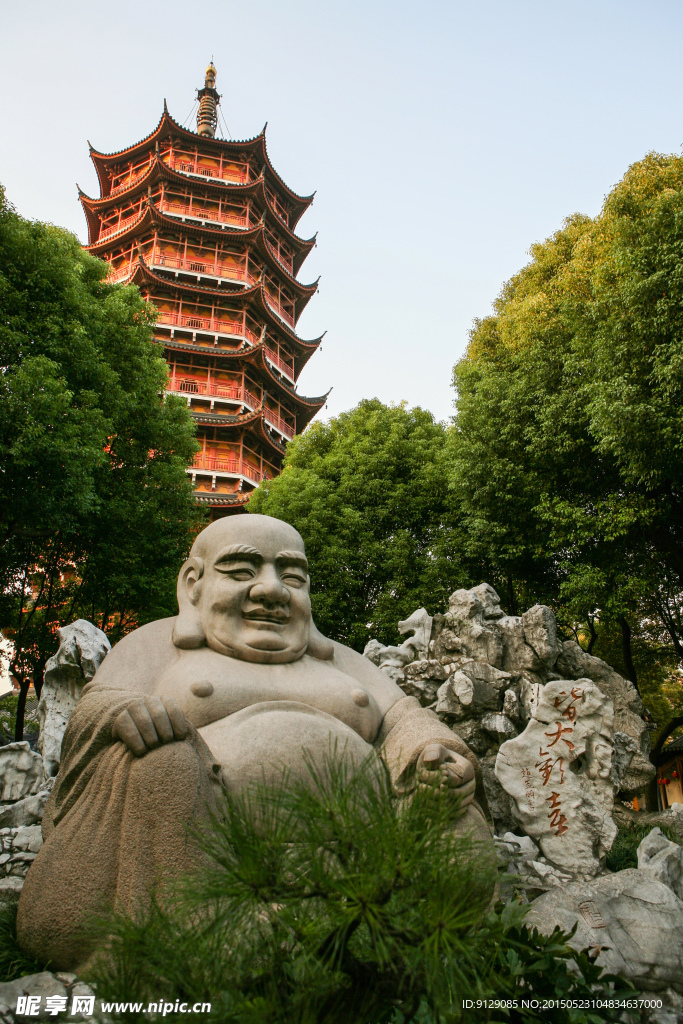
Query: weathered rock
point(419, 625)
point(662, 860)
point(557, 773)
point(474, 736)
point(28, 838)
point(540, 633)
point(446, 644)
point(82, 649)
point(20, 771)
point(517, 654)
point(500, 803)
point(625, 748)
point(372, 651)
point(473, 616)
point(634, 921)
point(499, 726)
point(529, 697)
point(472, 689)
point(10, 891)
point(511, 706)
point(575, 663)
point(24, 812)
point(43, 984)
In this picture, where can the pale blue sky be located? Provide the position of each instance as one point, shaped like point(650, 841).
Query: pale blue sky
point(443, 139)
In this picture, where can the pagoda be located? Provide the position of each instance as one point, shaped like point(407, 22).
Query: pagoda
point(205, 228)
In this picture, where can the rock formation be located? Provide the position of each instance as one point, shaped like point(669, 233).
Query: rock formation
point(484, 672)
point(81, 650)
point(558, 775)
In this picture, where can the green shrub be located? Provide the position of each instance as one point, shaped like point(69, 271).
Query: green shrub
point(624, 852)
point(336, 903)
point(13, 961)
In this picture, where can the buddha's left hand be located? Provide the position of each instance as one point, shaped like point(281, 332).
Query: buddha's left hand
point(448, 772)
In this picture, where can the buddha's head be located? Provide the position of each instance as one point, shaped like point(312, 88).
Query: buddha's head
point(244, 591)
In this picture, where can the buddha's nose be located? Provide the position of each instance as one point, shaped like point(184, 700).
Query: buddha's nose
point(268, 588)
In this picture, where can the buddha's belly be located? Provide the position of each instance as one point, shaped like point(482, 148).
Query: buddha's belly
point(273, 741)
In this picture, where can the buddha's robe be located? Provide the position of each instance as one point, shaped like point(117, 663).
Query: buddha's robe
point(115, 826)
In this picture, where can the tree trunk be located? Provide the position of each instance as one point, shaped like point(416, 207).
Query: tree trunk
point(21, 708)
point(626, 648)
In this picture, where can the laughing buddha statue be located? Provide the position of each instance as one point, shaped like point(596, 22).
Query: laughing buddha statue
point(221, 697)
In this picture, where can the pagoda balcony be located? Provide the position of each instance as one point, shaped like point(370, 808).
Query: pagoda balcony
point(279, 424)
point(180, 210)
point(119, 275)
point(225, 467)
point(284, 261)
point(211, 325)
point(117, 228)
point(129, 182)
point(201, 268)
point(221, 391)
point(199, 170)
point(280, 311)
point(225, 393)
point(285, 368)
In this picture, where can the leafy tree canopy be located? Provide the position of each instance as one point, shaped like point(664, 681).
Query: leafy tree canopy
point(567, 454)
point(96, 511)
point(368, 493)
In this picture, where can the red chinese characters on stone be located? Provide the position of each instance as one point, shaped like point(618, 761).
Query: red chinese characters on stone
point(546, 767)
point(558, 821)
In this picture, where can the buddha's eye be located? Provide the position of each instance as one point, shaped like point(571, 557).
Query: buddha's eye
point(239, 573)
point(293, 579)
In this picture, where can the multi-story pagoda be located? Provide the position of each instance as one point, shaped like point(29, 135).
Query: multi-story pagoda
point(206, 228)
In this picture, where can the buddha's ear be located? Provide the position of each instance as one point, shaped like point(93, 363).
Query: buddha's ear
point(318, 645)
point(188, 631)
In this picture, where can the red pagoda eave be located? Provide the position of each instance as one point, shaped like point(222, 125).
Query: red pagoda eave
point(255, 293)
point(159, 169)
point(256, 236)
point(168, 126)
point(238, 498)
point(280, 388)
point(254, 421)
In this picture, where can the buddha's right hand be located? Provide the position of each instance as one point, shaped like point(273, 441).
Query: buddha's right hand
point(148, 722)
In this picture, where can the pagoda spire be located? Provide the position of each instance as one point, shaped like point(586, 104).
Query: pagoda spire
point(207, 115)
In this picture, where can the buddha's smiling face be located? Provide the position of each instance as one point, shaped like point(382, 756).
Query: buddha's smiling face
point(253, 595)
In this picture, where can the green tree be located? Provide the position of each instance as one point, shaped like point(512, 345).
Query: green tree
point(96, 511)
point(368, 493)
point(333, 901)
point(566, 458)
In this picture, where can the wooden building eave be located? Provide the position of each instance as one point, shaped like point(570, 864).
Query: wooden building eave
point(159, 169)
point(167, 126)
point(222, 500)
point(256, 236)
point(253, 294)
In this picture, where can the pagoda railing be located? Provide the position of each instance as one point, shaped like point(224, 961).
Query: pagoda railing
point(235, 394)
point(212, 325)
point(233, 466)
point(120, 274)
point(279, 311)
point(201, 387)
point(238, 394)
point(202, 267)
point(286, 368)
point(203, 171)
point(121, 226)
point(191, 211)
point(288, 264)
point(123, 185)
point(279, 424)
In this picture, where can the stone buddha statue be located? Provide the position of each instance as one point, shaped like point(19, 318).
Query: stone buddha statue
point(234, 691)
